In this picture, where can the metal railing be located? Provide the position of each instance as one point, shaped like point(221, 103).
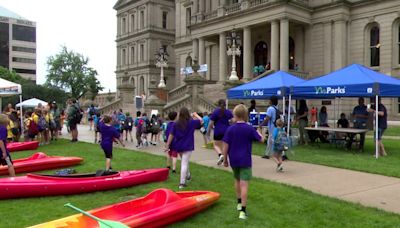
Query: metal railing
point(210, 15)
point(255, 3)
point(233, 8)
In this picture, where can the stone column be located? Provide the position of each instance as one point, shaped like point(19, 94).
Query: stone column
point(195, 49)
point(247, 53)
point(284, 52)
point(202, 49)
point(307, 48)
point(222, 57)
point(340, 44)
point(327, 47)
point(274, 45)
point(194, 7)
point(208, 62)
point(221, 8)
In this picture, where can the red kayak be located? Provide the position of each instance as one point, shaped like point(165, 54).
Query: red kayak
point(40, 161)
point(33, 185)
point(159, 208)
point(19, 146)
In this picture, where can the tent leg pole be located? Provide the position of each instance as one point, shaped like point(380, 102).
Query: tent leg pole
point(21, 116)
point(376, 127)
point(288, 118)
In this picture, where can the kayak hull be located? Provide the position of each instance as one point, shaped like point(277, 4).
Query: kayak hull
point(20, 146)
point(33, 185)
point(40, 161)
point(159, 208)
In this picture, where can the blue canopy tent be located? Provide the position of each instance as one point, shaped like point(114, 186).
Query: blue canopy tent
point(352, 81)
point(277, 84)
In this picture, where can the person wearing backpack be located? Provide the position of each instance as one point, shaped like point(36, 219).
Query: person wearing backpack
point(91, 112)
point(138, 126)
point(280, 144)
point(155, 124)
point(36, 118)
point(271, 117)
point(74, 117)
point(146, 128)
point(128, 126)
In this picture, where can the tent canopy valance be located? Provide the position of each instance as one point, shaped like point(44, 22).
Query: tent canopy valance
point(8, 88)
point(31, 103)
point(278, 84)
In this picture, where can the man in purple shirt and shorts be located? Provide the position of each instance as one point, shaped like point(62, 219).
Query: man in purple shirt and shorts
point(237, 144)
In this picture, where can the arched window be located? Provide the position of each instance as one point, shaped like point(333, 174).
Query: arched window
point(396, 43)
point(375, 46)
point(188, 61)
point(261, 54)
point(142, 90)
point(291, 54)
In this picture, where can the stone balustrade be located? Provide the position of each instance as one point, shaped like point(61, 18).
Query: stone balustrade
point(109, 108)
point(177, 92)
point(184, 101)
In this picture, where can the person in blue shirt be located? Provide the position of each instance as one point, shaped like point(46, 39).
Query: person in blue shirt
point(108, 135)
point(204, 128)
point(269, 120)
point(360, 117)
point(96, 121)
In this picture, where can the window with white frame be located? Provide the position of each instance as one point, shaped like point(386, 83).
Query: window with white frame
point(141, 19)
point(374, 46)
point(142, 52)
point(133, 22)
point(132, 54)
point(123, 25)
point(164, 19)
point(124, 57)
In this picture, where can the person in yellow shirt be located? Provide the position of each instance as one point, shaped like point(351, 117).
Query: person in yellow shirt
point(35, 117)
point(10, 134)
point(49, 118)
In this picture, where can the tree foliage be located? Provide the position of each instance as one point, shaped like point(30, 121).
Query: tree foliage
point(69, 71)
point(31, 90)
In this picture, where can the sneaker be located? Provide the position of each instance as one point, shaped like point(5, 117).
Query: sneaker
point(204, 146)
point(220, 160)
point(265, 156)
point(239, 207)
point(279, 168)
point(242, 215)
point(173, 171)
point(182, 186)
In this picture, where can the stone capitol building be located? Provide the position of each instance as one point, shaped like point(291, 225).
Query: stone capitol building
point(307, 38)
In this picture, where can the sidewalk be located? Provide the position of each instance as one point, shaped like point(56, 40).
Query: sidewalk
point(357, 187)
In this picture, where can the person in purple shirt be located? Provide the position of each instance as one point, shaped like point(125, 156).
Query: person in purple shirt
point(237, 144)
point(5, 158)
point(182, 139)
point(220, 118)
point(172, 155)
point(108, 134)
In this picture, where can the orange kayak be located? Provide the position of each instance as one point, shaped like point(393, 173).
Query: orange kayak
point(19, 146)
point(40, 161)
point(159, 208)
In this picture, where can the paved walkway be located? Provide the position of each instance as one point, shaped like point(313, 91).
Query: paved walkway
point(364, 188)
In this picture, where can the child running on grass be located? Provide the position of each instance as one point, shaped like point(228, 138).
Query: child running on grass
point(182, 137)
point(108, 134)
point(171, 154)
point(237, 145)
point(5, 158)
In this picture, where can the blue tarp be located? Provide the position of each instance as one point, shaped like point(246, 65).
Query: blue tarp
point(277, 84)
point(352, 81)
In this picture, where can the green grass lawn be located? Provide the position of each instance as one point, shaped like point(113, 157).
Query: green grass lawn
point(390, 131)
point(270, 204)
point(329, 155)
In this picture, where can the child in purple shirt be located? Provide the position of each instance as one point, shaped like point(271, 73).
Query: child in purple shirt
point(172, 155)
point(108, 134)
point(182, 140)
point(220, 118)
point(237, 144)
point(5, 158)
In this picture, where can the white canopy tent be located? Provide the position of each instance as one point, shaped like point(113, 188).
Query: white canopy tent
point(7, 89)
point(31, 103)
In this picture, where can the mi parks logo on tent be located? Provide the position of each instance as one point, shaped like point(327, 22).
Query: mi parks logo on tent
point(330, 90)
point(253, 93)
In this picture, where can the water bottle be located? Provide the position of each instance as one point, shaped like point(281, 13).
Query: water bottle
point(316, 124)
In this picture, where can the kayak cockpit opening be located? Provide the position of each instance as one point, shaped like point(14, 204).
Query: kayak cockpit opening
point(99, 173)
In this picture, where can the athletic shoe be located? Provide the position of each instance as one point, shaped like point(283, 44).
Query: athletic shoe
point(265, 156)
point(181, 186)
point(173, 171)
point(280, 168)
point(204, 146)
point(239, 207)
point(242, 215)
point(220, 160)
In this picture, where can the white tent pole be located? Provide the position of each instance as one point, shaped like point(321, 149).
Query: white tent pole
point(290, 105)
point(1, 105)
point(227, 105)
point(376, 126)
point(21, 115)
point(283, 107)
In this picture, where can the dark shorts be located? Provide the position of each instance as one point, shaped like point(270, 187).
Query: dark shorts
point(173, 153)
point(242, 173)
point(108, 152)
point(90, 119)
point(72, 125)
point(218, 137)
point(380, 133)
point(3, 162)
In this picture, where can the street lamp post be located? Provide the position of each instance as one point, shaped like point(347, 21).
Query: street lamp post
point(233, 41)
point(162, 61)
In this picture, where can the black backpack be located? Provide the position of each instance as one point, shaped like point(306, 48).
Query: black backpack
point(78, 114)
point(277, 115)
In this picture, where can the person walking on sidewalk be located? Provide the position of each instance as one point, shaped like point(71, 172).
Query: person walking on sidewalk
point(271, 117)
point(182, 136)
point(237, 146)
point(220, 118)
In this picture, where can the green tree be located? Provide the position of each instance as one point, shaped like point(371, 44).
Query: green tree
point(11, 76)
point(69, 71)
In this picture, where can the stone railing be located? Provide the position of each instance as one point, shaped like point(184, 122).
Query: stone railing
point(184, 101)
point(177, 92)
point(108, 108)
point(303, 75)
point(233, 8)
point(211, 15)
point(205, 105)
point(255, 3)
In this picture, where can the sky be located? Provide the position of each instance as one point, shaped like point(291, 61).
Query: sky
point(87, 27)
